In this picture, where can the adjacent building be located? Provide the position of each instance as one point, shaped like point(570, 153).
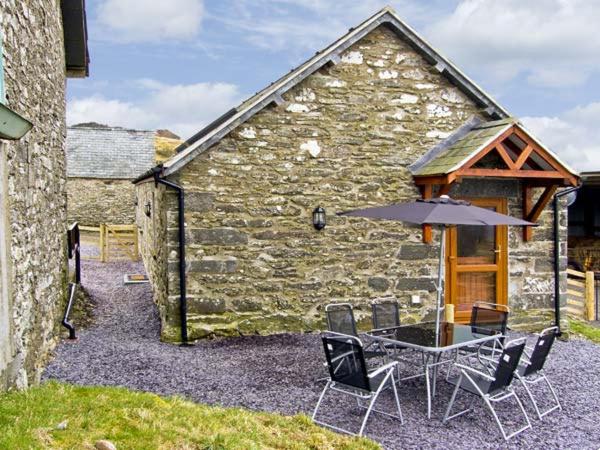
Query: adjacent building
point(584, 224)
point(102, 162)
point(377, 117)
point(43, 43)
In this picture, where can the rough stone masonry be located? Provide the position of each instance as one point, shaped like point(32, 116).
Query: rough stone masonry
point(343, 138)
point(33, 204)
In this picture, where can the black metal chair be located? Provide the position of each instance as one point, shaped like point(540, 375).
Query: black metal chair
point(491, 389)
point(348, 375)
point(531, 368)
point(385, 314)
point(488, 319)
point(340, 319)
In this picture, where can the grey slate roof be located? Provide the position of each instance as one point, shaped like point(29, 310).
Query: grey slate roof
point(108, 152)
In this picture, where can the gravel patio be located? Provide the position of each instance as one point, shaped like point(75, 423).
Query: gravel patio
point(277, 373)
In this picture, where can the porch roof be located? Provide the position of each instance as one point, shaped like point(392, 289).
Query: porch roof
point(496, 149)
point(519, 154)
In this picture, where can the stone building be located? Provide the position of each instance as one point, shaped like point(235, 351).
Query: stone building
point(378, 117)
point(43, 42)
point(101, 163)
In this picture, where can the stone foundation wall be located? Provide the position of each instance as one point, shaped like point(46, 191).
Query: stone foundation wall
point(93, 201)
point(342, 139)
point(35, 181)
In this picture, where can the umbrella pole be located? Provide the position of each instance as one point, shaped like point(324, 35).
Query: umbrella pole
point(440, 284)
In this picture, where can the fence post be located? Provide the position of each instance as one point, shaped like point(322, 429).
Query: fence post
point(102, 242)
point(590, 300)
point(136, 254)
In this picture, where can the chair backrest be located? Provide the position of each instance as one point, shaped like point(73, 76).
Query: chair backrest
point(540, 352)
point(385, 314)
point(507, 364)
point(340, 318)
point(489, 318)
point(346, 360)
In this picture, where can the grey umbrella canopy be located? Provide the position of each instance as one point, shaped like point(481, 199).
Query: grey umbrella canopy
point(441, 211)
point(438, 211)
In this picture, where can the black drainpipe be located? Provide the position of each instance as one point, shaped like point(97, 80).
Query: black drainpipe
point(182, 278)
point(557, 197)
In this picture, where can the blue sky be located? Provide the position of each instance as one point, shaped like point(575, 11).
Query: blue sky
point(179, 64)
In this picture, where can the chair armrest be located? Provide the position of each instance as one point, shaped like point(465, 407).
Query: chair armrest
point(475, 371)
point(383, 368)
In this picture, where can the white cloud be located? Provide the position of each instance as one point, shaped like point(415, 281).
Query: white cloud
point(183, 109)
point(150, 21)
point(301, 25)
point(553, 42)
point(574, 136)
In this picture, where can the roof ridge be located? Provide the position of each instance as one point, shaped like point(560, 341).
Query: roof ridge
point(207, 137)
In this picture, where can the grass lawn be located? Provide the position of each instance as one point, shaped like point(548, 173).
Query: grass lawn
point(585, 330)
point(137, 420)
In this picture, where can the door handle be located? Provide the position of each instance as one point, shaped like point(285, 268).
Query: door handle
point(498, 251)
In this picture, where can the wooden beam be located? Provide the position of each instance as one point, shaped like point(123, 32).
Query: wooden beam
point(427, 193)
point(444, 189)
point(527, 205)
point(500, 173)
point(546, 156)
point(504, 155)
point(523, 156)
point(433, 179)
point(535, 212)
point(487, 149)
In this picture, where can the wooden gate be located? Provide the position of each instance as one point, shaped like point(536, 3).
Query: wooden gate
point(121, 242)
point(112, 242)
point(581, 295)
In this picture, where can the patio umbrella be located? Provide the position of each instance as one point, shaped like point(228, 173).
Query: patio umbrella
point(441, 211)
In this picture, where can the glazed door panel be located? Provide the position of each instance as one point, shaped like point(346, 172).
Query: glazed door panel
point(477, 263)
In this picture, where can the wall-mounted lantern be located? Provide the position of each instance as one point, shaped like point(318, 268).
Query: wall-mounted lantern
point(319, 218)
point(148, 209)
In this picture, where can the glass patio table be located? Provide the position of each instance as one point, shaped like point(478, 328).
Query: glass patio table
point(421, 337)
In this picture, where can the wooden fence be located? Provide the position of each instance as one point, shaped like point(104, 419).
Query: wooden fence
point(112, 242)
point(581, 295)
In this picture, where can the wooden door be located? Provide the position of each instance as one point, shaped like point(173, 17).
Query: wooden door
point(477, 263)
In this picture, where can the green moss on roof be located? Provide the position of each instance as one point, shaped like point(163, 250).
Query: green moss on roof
point(473, 142)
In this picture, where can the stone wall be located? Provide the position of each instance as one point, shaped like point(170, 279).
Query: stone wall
point(342, 139)
point(93, 201)
point(35, 180)
point(153, 243)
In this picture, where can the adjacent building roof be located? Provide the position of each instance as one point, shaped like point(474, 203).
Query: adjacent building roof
point(98, 151)
point(77, 57)
point(273, 93)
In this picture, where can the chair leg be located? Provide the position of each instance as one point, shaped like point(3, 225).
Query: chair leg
point(506, 437)
point(428, 387)
point(530, 395)
point(320, 399)
point(558, 405)
point(397, 400)
point(496, 418)
point(447, 416)
point(369, 409)
point(543, 377)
